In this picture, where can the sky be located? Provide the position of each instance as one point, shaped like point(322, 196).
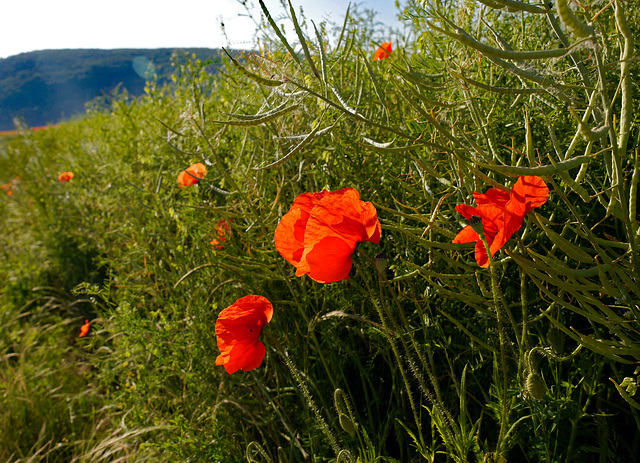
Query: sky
point(57, 24)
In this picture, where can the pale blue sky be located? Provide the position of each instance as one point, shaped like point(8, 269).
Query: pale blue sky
point(48, 24)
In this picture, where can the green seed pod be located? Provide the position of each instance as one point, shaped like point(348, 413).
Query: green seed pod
point(571, 20)
point(535, 386)
point(476, 224)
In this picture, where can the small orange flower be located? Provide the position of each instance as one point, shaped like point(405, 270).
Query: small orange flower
point(502, 214)
point(65, 176)
point(321, 231)
point(84, 329)
point(224, 229)
point(186, 177)
point(237, 330)
point(383, 51)
point(8, 187)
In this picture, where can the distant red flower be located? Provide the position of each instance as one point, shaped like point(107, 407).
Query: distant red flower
point(383, 51)
point(237, 330)
point(42, 127)
point(8, 187)
point(502, 214)
point(65, 176)
point(84, 329)
point(321, 231)
point(196, 170)
point(224, 230)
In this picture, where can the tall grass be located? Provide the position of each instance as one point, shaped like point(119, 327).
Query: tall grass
point(420, 354)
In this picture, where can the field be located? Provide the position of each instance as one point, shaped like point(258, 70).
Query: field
point(338, 249)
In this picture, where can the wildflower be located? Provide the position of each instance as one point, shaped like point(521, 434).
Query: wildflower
point(65, 176)
point(8, 187)
point(84, 329)
point(237, 330)
point(383, 51)
point(502, 214)
point(186, 177)
point(224, 229)
point(321, 231)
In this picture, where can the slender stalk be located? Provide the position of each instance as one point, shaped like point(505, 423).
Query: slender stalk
point(387, 333)
point(495, 291)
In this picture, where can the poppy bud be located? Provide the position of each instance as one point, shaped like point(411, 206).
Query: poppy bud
point(344, 412)
point(555, 338)
point(347, 425)
point(535, 386)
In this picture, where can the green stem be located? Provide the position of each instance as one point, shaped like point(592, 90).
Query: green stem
point(307, 395)
point(503, 348)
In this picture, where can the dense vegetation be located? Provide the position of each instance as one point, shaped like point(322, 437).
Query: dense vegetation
point(46, 86)
point(421, 354)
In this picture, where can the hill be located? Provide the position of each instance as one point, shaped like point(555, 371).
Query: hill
point(44, 87)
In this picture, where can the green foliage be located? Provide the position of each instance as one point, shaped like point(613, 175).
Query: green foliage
point(418, 356)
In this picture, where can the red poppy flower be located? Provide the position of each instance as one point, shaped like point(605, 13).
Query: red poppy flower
point(84, 329)
point(196, 170)
point(224, 229)
point(502, 214)
point(237, 330)
point(321, 230)
point(65, 176)
point(383, 51)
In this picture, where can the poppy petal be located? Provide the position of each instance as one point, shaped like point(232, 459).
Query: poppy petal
point(289, 236)
point(481, 255)
point(242, 356)
point(531, 191)
point(328, 261)
point(342, 214)
point(466, 235)
point(492, 196)
point(466, 211)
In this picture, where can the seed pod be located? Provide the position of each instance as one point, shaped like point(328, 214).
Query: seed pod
point(571, 20)
point(535, 386)
point(476, 224)
point(382, 261)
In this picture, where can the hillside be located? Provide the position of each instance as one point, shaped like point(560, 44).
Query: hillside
point(44, 87)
